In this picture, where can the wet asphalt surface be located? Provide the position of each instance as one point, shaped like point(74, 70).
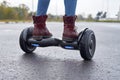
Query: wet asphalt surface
point(55, 63)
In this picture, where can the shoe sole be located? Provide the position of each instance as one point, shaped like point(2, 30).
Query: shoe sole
point(40, 37)
point(68, 39)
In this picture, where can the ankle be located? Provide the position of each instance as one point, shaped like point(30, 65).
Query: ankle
point(39, 19)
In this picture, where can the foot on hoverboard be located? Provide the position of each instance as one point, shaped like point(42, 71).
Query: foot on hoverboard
point(85, 43)
point(39, 38)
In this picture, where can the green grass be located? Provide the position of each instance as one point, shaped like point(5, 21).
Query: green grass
point(110, 21)
point(15, 21)
point(60, 20)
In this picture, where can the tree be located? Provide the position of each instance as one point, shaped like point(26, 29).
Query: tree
point(80, 17)
point(90, 18)
point(5, 4)
point(98, 15)
point(104, 15)
point(23, 11)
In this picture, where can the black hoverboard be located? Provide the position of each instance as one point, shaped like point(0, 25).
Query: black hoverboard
point(86, 43)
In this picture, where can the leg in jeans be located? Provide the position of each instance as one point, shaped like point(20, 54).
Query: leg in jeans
point(70, 32)
point(70, 7)
point(42, 7)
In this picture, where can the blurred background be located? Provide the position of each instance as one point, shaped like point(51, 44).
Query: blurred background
point(94, 10)
point(55, 63)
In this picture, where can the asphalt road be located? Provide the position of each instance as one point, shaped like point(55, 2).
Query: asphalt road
point(55, 63)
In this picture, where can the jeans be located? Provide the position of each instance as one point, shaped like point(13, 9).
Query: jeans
point(70, 7)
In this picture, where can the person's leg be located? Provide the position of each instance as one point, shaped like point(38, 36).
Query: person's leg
point(70, 32)
point(42, 7)
point(40, 30)
point(70, 7)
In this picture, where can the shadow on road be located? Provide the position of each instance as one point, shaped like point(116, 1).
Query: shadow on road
point(67, 69)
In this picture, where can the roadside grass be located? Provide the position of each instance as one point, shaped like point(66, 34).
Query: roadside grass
point(15, 21)
point(58, 20)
